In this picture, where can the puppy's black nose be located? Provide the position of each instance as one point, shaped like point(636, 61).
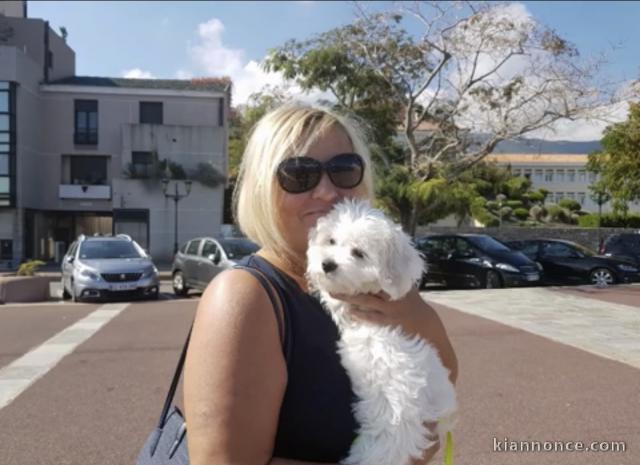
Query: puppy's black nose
point(328, 266)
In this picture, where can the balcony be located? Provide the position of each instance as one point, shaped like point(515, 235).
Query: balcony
point(84, 192)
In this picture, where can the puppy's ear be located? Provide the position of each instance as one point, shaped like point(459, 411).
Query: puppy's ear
point(402, 264)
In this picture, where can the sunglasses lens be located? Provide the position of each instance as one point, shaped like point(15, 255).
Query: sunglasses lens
point(346, 170)
point(299, 174)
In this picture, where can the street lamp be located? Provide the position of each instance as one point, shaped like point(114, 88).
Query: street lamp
point(176, 196)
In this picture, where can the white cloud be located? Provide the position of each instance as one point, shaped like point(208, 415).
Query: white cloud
point(209, 56)
point(137, 73)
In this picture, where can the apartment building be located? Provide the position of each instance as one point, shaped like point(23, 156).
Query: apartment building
point(78, 154)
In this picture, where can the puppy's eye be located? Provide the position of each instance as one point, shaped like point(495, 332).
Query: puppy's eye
point(332, 242)
point(357, 253)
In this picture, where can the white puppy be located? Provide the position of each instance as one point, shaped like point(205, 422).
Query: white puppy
point(400, 381)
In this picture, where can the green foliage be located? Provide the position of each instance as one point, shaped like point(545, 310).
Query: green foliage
point(618, 163)
point(588, 221)
point(29, 268)
point(537, 197)
point(514, 203)
point(521, 213)
point(208, 175)
point(570, 204)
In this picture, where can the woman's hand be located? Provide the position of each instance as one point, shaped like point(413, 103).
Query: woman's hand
point(412, 314)
point(378, 309)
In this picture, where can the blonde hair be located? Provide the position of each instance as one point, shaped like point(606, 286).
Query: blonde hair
point(283, 133)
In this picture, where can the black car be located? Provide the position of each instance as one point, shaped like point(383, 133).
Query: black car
point(565, 262)
point(476, 261)
point(625, 246)
point(199, 260)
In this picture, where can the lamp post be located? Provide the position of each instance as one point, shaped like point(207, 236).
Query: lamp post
point(176, 196)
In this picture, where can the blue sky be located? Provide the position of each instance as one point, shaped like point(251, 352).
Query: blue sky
point(172, 39)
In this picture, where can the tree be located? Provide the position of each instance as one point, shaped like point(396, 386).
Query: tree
point(476, 76)
point(618, 163)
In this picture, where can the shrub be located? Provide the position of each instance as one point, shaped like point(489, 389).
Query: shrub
point(514, 204)
point(588, 221)
point(521, 213)
point(29, 268)
point(570, 204)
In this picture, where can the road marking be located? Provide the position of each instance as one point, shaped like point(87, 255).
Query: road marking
point(23, 372)
point(606, 329)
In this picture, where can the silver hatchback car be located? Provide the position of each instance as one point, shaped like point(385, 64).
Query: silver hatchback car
point(97, 267)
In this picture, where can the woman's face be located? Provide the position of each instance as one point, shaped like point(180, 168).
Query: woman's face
point(299, 212)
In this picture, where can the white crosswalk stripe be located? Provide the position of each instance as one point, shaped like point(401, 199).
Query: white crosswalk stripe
point(23, 372)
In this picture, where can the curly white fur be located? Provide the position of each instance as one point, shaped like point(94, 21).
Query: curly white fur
point(400, 381)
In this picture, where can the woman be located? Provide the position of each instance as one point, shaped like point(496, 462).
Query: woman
point(253, 395)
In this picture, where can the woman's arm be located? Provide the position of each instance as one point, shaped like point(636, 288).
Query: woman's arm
point(235, 374)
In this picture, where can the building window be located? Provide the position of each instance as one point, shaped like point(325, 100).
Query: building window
point(7, 143)
point(592, 177)
point(571, 195)
point(141, 164)
point(582, 176)
point(516, 172)
point(571, 175)
point(537, 176)
point(221, 112)
point(151, 113)
point(86, 122)
point(559, 196)
point(560, 175)
point(581, 197)
point(88, 170)
point(548, 176)
point(527, 173)
point(6, 249)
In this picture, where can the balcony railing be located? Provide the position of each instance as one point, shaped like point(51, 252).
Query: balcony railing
point(84, 191)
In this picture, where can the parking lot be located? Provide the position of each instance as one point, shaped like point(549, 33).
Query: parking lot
point(536, 364)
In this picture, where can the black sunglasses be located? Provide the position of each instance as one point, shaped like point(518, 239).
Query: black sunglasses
point(301, 174)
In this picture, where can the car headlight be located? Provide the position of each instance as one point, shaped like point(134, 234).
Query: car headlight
point(628, 268)
point(539, 265)
point(507, 267)
point(150, 272)
point(87, 273)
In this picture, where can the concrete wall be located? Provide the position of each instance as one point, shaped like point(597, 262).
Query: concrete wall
point(28, 36)
point(64, 58)
point(588, 237)
point(199, 214)
point(13, 8)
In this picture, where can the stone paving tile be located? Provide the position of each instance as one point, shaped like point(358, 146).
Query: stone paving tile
point(608, 329)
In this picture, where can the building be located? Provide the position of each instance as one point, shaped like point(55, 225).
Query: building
point(81, 154)
point(564, 175)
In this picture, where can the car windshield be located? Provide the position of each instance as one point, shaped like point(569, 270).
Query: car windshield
point(239, 247)
point(108, 249)
point(488, 244)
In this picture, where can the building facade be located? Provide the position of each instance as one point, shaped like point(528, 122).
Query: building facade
point(565, 176)
point(81, 155)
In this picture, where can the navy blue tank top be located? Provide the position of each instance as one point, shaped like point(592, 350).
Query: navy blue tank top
point(316, 421)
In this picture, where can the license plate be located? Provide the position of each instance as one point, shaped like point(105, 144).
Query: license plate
point(532, 277)
point(123, 286)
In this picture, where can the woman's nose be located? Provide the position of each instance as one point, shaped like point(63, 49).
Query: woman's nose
point(325, 190)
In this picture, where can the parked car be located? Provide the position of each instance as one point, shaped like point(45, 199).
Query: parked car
point(625, 246)
point(199, 260)
point(476, 261)
point(565, 262)
point(103, 267)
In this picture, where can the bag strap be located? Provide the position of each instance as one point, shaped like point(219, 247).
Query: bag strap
point(176, 376)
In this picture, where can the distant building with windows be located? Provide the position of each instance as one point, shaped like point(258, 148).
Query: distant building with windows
point(77, 154)
point(564, 175)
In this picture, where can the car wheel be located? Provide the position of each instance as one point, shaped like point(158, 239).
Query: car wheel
point(74, 297)
point(179, 287)
point(492, 280)
point(65, 293)
point(602, 276)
